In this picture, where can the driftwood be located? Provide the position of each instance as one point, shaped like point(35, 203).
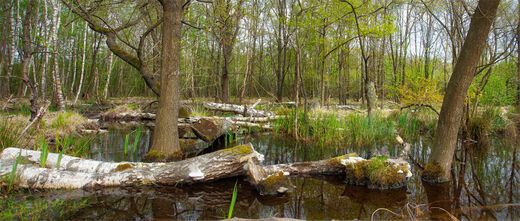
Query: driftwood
point(242, 160)
point(237, 109)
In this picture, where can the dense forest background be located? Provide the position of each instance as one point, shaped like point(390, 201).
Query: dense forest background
point(247, 49)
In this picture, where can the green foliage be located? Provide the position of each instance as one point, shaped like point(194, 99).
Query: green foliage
point(419, 92)
point(500, 88)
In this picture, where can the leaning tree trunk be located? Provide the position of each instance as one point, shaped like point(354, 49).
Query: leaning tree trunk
point(445, 141)
point(167, 114)
point(54, 39)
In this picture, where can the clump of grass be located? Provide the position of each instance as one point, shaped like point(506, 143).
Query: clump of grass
point(199, 111)
point(10, 133)
point(66, 123)
point(491, 121)
point(44, 151)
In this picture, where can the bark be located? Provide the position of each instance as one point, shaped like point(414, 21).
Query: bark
point(43, 84)
point(78, 92)
point(518, 61)
point(237, 109)
point(445, 141)
point(58, 93)
point(73, 172)
point(11, 48)
point(167, 112)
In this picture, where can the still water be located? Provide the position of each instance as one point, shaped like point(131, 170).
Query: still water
point(485, 187)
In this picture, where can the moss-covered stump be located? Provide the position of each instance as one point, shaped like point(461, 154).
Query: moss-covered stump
point(377, 173)
point(432, 173)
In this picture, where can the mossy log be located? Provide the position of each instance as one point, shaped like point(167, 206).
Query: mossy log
point(242, 160)
point(238, 109)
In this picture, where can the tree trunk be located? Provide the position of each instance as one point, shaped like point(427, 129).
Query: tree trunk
point(445, 141)
point(80, 85)
point(110, 60)
point(518, 61)
point(58, 93)
point(27, 58)
point(73, 172)
point(167, 113)
point(237, 109)
point(11, 48)
point(43, 84)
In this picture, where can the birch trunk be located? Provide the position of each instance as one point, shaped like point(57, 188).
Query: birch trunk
point(12, 24)
point(43, 86)
point(237, 109)
point(54, 39)
point(110, 60)
point(73, 172)
point(78, 92)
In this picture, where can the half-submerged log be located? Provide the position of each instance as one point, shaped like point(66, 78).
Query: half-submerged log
point(237, 109)
point(73, 172)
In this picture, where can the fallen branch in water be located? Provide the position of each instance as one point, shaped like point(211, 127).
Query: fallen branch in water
point(237, 109)
point(242, 160)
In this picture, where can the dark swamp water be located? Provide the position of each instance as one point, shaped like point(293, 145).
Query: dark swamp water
point(485, 187)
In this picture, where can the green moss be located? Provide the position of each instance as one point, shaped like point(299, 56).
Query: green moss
point(184, 112)
point(273, 179)
point(376, 173)
point(432, 172)
point(122, 167)
point(336, 161)
point(273, 183)
point(240, 150)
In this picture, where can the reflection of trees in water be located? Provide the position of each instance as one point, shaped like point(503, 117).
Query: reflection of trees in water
point(485, 177)
point(479, 189)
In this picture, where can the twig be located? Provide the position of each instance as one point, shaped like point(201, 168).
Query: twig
point(7, 102)
point(38, 118)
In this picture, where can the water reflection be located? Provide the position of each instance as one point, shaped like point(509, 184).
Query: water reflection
point(485, 186)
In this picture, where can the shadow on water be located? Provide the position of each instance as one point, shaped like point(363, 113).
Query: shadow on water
point(485, 187)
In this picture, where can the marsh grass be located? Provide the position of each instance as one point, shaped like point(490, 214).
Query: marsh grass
point(10, 133)
point(328, 128)
point(233, 201)
point(13, 171)
point(44, 151)
point(491, 121)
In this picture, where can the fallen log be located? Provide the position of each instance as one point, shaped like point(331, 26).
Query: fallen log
point(237, 109)
point(243, 160)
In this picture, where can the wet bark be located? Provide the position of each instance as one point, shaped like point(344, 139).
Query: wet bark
point(445, 141)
